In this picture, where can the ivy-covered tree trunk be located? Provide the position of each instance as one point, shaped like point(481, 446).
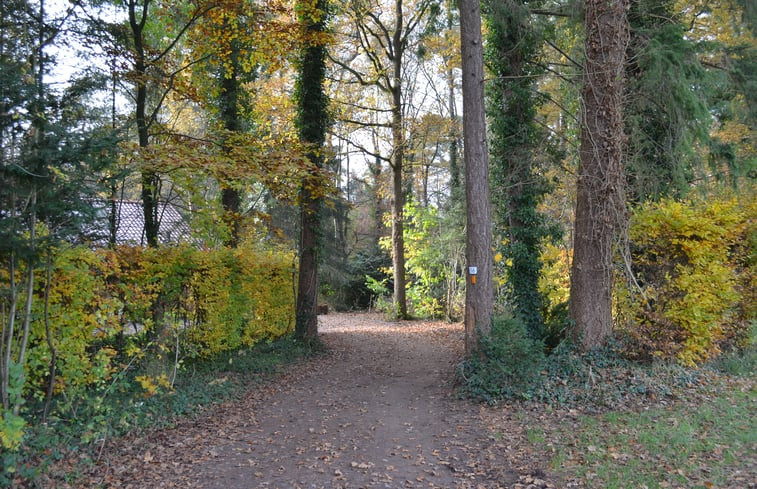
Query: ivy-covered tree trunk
point(479, 295)
point(312, 121)
point(517, 185)
point(231, 119)
point(600, 195)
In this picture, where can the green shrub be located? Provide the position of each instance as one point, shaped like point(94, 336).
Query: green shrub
point(434, 253)
point(513, 367)
point(382, 296)
point(509, 365)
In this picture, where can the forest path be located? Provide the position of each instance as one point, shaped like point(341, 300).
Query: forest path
point(377, 411)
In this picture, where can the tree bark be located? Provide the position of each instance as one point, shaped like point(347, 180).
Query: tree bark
point(398, 144)
point(306, 321)
point(479, 295)
point(231, 199)
point(374, 169)
point(600, 204)
point(149, 177)
point(311, 124)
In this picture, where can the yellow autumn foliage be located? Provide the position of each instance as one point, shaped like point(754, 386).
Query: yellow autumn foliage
point(694, 262)
point(108, 306)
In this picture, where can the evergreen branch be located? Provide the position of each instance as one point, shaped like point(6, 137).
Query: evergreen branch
point(715, 66)
point(561, 136)
point(558, 104)
point(556, 73)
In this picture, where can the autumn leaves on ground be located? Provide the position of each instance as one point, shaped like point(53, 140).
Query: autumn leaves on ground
point(377, 410)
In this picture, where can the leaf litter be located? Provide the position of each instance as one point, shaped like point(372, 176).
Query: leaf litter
point(377, 410)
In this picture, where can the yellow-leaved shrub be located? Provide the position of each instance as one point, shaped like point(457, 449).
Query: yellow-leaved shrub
point(239, 297)
point(79, 312)
point(694, 265)
point(108, 306)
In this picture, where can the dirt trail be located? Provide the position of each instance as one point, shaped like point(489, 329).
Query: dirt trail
point(377, 411)
point(375, 414)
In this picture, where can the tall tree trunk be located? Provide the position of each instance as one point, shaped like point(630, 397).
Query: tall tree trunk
point(306, 323)
point(374, 169)
point(311, 124)
point(479, 293)
point(230, 197)
point(454, 165)
point(600, 205)
point(517, 186)
point(149, 177)
point(398, 146)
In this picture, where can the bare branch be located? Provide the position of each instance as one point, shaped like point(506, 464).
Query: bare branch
point(551, 13)
point(361, 107)
point(181, 33)
point(384, 31)
point(360, 147)
point(358, 76)
point(169, 87)
point(414, 21)
point(365, 124)
point(567, 56)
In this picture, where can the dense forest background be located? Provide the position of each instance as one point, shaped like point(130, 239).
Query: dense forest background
point(204, 115)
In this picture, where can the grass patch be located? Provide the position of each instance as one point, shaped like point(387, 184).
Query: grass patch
point(601, 420)
point(701, 444)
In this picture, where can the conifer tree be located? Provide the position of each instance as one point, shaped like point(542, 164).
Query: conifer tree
point(664, 108)
point(479, 292)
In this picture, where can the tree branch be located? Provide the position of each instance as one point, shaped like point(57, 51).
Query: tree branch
point(360, 147)
point(567, 56)
point(550, 13)
point(179, 35)
point(365, 124)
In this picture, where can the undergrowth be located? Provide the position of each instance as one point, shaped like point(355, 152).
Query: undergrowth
point(514, 367)
point(84, 420)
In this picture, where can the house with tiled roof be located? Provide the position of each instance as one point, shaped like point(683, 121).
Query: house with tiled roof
point(130, 223)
